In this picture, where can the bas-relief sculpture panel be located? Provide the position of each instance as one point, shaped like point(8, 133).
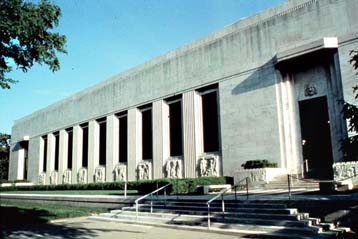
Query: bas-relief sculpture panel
point(82, 175)
point(345, 170)
point(208, 165)
point(144, 170)
point(42, 178)
point(173, 168)
point(54, 177)
point(120, 172)
point(100, 174)
point(67, 176)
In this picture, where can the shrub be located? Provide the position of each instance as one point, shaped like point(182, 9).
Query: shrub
point(185, 185)
point(258, 164)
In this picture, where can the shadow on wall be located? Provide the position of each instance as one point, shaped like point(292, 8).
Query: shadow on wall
point(264, 76)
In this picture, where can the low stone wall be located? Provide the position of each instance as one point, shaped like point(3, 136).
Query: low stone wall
point(3, 185)
point(259, 175)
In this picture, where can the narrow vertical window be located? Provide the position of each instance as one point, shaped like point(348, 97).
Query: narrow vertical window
point(84, 145)
point(123, 137)
point(175, 127)
point(44, 165)
point(25, 146)
point(57, 149)
point(147, 134)
point(102, 140)
point(210, 120)
point(69, 147)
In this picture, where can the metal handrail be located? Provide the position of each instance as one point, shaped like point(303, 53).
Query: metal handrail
point(222, 193)
point(289, 181)
point(151, 198)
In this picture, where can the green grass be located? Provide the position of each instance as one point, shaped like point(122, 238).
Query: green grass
point(75, 192)
point(21, 213)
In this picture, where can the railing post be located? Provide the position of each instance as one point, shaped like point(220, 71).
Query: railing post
point(222, 204)
point(289, 185)
point(177, 181)
point(165, 196)
point(151, 203)
point(125, 189)
point(157, 189)
point(208, 216)
point(235, 194)
point(247, 188)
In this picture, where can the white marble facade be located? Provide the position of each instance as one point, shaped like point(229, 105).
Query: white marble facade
point(257, 99)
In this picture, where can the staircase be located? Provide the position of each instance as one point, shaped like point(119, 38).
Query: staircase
point(256, 219)
point(281, 182)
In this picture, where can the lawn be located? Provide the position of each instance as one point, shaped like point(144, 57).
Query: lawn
point(75, 192)
point(21, 213)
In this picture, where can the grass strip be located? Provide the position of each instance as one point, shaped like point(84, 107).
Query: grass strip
point(22, 213)
point(75, 192)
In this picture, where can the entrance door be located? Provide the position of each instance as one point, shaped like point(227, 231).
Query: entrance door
point(316, 138)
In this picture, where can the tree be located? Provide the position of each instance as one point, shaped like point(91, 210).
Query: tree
point(27, 37)
point(350, 113)
point(4, 155)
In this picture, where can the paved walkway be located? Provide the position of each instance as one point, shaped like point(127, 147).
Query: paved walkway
point(84, 228)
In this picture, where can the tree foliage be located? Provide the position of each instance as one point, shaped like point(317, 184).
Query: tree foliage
point(350, 113)
point(27, 37)
point(4, 155)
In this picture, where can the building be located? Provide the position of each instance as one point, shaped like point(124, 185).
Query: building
point(266, 87)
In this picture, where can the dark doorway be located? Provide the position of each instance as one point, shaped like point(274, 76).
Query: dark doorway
point(316, 138)
point(25, 146)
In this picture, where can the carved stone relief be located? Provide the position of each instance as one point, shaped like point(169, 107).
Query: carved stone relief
point(345, 170)
point(42, 178)
point(258, 176)
point(82, 175)
point(67, 176)
point(120, 172)
point(173, 168)
point(100, 174)
point(208, 165)
point(310, 90)
point(144, 170)
point(53, 177)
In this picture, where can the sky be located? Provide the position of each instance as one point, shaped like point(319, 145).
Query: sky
point(107, 37)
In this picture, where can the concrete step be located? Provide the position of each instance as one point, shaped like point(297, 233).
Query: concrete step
point(293, 217)
point(289, 211)
point(217, 203)
point(202, 222)
point(258, 234)
point(226, 218)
